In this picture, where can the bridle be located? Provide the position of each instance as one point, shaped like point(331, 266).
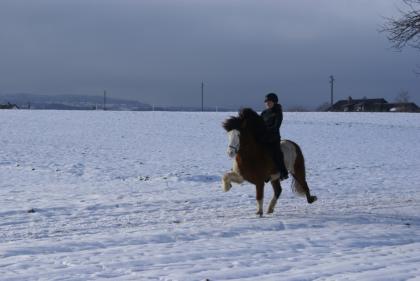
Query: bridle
point(234, 148)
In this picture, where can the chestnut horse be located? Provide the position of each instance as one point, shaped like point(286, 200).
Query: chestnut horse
point(253, 162)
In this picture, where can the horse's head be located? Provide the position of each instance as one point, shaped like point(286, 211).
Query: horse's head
point(246, 121)
point(234, 143)
point(233, 127)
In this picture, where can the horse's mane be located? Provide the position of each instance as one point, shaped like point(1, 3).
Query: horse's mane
point(247, 119)
point(233, 123)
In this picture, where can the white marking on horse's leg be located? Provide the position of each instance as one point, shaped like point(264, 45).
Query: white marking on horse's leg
point(235, 167)
point(260, 207)
point(230, 177)
point(226, 183)
point(273, 203)
point(275, 177)
point(237, 178)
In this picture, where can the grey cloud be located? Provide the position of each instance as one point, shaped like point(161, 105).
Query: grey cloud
point(160, 51)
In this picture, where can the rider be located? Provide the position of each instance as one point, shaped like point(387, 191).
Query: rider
point(273, 116)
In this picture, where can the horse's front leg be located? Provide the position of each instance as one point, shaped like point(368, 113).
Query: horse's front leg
point(277, 191)
point(230, 177)
point(260, 198)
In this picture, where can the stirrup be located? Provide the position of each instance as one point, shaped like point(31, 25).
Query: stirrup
point(284, 177)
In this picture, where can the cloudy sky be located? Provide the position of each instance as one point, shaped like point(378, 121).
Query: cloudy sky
point(159, 51)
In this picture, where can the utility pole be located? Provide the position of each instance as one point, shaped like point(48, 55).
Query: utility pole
point(202, 96)
point(104, 100)
point(332, 79)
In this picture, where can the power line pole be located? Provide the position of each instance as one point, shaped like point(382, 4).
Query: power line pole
point(332, 79)
point(202, 96)
point(104, 100)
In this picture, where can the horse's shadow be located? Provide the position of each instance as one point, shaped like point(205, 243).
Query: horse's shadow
point(201, 178)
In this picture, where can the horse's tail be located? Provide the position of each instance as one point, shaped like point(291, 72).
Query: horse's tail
point(299, 184)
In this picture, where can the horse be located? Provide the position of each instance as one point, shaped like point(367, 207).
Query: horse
point(253, 162)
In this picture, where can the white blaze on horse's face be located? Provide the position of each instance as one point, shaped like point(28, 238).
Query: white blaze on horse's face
point(233, 146)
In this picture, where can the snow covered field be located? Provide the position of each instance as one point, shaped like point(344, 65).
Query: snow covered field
point(137, 196)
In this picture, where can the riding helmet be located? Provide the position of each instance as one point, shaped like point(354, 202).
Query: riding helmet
point(271, 97)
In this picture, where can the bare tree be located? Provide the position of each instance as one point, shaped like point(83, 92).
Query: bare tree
point(402, 97)
point(405, 31)
point(323, 107)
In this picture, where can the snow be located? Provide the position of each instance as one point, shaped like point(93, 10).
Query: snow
point(137, 196)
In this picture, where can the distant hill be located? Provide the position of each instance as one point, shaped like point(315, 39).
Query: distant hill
point(71, 102)
point(80, 102)
point(193, 108)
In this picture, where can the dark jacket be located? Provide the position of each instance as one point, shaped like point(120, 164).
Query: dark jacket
point(272, 118)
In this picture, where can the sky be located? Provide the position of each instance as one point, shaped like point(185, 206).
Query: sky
point(160, 51)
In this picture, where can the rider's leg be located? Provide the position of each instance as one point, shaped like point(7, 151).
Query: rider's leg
point(279, 161)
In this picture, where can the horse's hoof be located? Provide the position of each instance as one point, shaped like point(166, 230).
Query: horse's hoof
point(270, 211)
point(312, 199)
point(259, 213)
point(226, 187)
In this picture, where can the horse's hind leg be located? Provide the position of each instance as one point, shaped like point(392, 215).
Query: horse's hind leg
point(301, 186)
point(310, 198)
point(277, 191)
point(297, 169)
point(260, 198)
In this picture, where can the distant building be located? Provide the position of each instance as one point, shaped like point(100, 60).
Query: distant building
point(404, 107)
point(9, 106)
point(372, 105)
